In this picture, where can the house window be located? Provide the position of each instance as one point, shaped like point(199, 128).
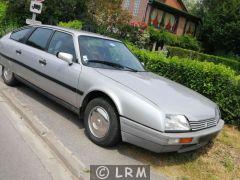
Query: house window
point(126, 4)
point(190, 28)
point(136, 7)
point(156, 18)
point(170, 22)
point(163, 20)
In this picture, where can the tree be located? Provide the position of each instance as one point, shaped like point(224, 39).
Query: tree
point(221, 25)
point(53, 11)
point(191, 5)
point(63, 10)
point(108, 13)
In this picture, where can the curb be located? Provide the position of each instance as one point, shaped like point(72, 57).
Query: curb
point(75, 166)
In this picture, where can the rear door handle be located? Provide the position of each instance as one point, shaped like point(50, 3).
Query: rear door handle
point(19, 51)
point(43, 62)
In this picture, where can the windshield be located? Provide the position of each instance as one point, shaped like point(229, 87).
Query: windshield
point(103, 53)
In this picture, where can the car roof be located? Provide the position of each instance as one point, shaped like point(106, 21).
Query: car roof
point(76, 32)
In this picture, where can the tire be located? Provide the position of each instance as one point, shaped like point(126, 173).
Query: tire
point(8, 77)
point(96, 113)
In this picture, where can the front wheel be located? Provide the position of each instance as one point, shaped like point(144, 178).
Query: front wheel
point(102, 122)
point(8, 77)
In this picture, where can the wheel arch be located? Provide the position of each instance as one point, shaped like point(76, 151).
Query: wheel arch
point(96, 94)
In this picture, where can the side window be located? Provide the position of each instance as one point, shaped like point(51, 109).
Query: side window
point(62, 42)
point(39, 38)
point(20, 34)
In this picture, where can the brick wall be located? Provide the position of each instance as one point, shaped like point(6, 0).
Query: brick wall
point(141, 12)
point(181, 26)
point(174, 3)
point(143, 8)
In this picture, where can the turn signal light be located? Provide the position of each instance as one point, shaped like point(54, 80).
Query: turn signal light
point(185, 140)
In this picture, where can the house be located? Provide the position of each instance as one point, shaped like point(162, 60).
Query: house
point(171, 15)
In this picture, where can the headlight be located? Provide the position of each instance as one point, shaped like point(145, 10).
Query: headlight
point(218, 114)
point(176, 123)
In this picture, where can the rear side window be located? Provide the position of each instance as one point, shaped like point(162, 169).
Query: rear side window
point(62, 42)
point(39, 38)
point(19, 35)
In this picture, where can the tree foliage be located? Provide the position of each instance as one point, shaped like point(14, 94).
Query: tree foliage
point(221, 25)
point(75, 24)
point(53, 11)
point(108, 13)
point(3, 8)
point(191, 5)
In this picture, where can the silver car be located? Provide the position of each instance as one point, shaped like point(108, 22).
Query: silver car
point(101, 80)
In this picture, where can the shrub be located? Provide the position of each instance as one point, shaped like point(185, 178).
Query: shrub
point(168, 38)
point(163, 37)
point(189, 42)
point(76, 24)
point(231, 56)
point(217, 82)
point(5, 26)
point(3, 10)
point(136, 33)
point(8, 28)
point(184, 53)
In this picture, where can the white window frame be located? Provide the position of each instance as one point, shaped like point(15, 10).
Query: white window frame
point(136, 7)
point(126, 4)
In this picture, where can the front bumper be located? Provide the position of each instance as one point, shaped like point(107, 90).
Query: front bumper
point(159, 142)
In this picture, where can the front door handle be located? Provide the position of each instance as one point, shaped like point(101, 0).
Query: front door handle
point(43, 62)
point(19, 51)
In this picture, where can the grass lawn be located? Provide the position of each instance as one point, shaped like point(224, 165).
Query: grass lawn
point(219, 160)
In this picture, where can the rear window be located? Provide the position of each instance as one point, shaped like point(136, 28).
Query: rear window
point(19, 35)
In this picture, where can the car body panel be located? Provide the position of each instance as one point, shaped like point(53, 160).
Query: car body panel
point(142, 99)
point(171, 97)
point(60, 78)
point(158, 142)
point(123, 97)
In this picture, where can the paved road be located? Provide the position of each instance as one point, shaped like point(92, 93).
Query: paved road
point(69, 130)
point(18, 159)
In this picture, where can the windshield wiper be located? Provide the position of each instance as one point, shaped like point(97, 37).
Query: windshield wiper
point(115, 65)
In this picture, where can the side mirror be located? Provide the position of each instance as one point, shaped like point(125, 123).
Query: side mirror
point(65, 57)
point(143, 64)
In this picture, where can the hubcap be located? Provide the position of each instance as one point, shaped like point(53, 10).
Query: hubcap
point(98, 122)
point(7, 74)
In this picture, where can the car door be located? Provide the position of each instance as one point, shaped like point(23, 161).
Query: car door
point(11, 49)
point(63, 78)
point(31, 66)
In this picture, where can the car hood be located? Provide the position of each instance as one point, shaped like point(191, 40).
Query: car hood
point(170, 97)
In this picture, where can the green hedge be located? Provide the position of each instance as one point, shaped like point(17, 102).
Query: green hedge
point(5, 26)
point(166, 38)
point(185, 53)
point(217, 82)
point(75, 24)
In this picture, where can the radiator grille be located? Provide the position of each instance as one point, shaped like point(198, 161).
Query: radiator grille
point(199, 125)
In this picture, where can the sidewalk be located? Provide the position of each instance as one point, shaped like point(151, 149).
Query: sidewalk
point(22, 154)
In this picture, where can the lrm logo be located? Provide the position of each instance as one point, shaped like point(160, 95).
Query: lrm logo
point(120, 172)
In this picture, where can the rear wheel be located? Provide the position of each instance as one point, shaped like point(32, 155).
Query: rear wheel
point(102, 122)
point(8, 77)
